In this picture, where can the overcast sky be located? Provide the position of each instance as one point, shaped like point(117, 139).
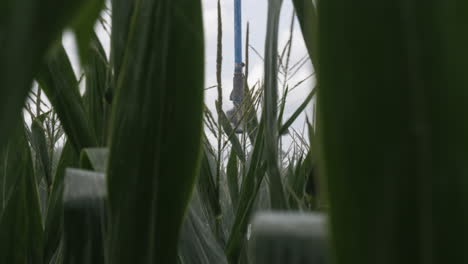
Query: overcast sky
point(254, 12)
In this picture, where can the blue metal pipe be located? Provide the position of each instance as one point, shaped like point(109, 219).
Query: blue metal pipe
point(237, 93)
point(238, 34)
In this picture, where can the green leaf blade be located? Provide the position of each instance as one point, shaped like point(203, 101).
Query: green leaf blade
point(152, 103)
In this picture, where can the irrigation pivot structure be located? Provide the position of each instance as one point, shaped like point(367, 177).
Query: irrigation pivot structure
point(237, 93)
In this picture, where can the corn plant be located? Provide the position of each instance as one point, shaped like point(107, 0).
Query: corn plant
point(395, 164)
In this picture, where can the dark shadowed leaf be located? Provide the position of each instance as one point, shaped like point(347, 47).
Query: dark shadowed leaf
point(206, 184)
point(83, 26)
point(158, 104)
point(95, 102)
point(21, 234)
point(395, 165)
point(27, 30)
point(39, 144)
point(54, 217)
point(122, 11)
point(58, 81)
point(232, 172)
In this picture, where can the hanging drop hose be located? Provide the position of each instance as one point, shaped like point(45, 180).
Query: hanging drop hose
point(237, 94)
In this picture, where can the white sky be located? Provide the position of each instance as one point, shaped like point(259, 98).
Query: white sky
point(254, 12)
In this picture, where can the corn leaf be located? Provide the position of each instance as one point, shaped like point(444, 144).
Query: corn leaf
point(158, 103)
point(25, 22)
point(3, 186)
point(54, 217)
point(58, 81)
point(282, 106)
point(39, 144)
point(21, 234)
point(95, 102)
point(206, 183)
point(248, 194)
point(306, 12)
point(284, 128)
point(122, 11)
point(233, 179)
point(270, 110)
point(395, 165)
point(83, 26)
point(197, 244)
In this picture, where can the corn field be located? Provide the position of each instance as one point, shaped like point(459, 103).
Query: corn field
point(125, 163)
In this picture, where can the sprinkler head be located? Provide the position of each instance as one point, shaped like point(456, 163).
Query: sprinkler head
point(234, 116)
point(237, 95)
